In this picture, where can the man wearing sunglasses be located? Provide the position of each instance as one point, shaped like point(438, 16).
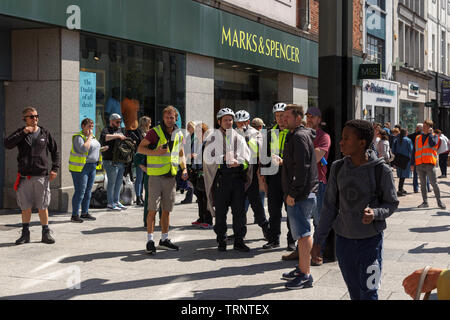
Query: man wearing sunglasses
point(33, 179)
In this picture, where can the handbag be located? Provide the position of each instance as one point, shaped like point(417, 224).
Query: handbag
point(421, 281)
point(400, 161)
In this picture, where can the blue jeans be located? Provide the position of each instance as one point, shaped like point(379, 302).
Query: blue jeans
point(299, 218)
point(83, 182)
point(360, 262)
point(320, 196)
point(114, 172)
point(416, 181)
point(138, 185)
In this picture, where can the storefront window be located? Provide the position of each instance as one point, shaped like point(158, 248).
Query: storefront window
point(409, 115)
point(313, 92)
point(135, 79)
point(250, 88)
point(384, 114)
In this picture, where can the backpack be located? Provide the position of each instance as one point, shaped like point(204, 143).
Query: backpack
point(124, 151)
point(99, 199)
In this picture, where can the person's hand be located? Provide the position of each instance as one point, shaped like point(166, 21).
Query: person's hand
point(194, 156)
point(368, 216)
point(411, 282)
point(234, 163)
point(315, 252)
point(160, 151)
point(277, 160)
point(290, 201)
point(122, 137)
point(184, 175)
point(52, 175)
point(430, 130)
point(28, 129)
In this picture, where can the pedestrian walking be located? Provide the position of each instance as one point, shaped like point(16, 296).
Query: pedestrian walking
point(114, 170)
point(227, 178)
point(402, 149)
point(163, 148)
point(383, 148)
point(32, 186)
point(85, 159)
point(412, 137)
point(443, 151)
point(300, 184)
point(189, 143)
point(426, 146)
point(360, 197)
point(254, 141)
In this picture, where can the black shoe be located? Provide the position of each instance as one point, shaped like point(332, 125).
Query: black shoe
point(167, 245)
point(87, 216)
point(76, 219)
point(24, 238)
point(423, 205)
point(181, 191)
point(46, 236)
point(186, 201)
point(241, 247)
point(150, 248)
point(139, 201)
point(230, 238)
point(441, 205)
point(404, 192)
point(271, 244)
point(222, 246)
point(400, 194)
point(291, 247)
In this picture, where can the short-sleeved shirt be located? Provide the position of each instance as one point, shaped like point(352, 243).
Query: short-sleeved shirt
point(94, 149)
point(323, 142)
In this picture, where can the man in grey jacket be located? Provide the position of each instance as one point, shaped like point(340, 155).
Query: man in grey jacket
point(300, 184)
point(360, 195)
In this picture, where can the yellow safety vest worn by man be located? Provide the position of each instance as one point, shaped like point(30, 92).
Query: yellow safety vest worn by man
point(78, 160)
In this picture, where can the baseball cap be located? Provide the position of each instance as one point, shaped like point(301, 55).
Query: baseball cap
point(257, 122)
point(314, 111)
point(115, 116)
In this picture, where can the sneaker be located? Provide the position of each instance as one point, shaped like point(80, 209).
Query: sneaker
point(150, 248)
point(290, 256)
point(121, 206)
point(241, 247)
point(87, 216)
point(423, 205)
point(441, 205)
point(271, 244)
point(206, 226)
point(196, 223)
point(46, 236)
point(113, 207)
point(222, 246)
point(300, 282)
point(24, 238)
point(291, 274)
point(291, 247)
point(76, 219)
point(167, 245)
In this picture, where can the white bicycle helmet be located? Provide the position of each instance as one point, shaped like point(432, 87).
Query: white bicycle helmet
point(242, 116)
point(224, 112)
point(278, 107)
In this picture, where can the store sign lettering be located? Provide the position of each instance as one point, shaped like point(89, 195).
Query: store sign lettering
point(74, 20)
point(374, 88)
point(257, 44)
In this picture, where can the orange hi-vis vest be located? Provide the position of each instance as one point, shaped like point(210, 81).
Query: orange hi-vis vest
point(425, 153)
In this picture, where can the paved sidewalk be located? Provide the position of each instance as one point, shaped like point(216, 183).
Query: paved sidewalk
point(108, 257)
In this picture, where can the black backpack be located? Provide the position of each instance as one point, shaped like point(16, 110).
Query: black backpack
point(99, 199)
point(124, 150)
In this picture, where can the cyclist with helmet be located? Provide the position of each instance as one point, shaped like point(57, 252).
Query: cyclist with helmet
point(276, 138)
point(225, 165)
point(254, 140)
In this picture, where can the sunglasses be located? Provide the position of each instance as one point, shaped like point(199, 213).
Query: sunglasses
point(33, 116)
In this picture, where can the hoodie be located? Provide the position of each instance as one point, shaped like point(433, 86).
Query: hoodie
point(356, 188)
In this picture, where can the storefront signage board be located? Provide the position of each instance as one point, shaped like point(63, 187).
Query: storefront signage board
point(88, 84)
point(445, 93)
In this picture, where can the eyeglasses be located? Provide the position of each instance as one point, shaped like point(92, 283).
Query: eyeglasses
point(36, 116)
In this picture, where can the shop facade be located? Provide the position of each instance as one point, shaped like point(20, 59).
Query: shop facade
point(73, 59)
point(380, 101)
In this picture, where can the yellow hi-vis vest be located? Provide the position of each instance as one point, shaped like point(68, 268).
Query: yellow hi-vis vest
point(78, 160)
point(160, 165)
point(277, 142)
point(253, 145)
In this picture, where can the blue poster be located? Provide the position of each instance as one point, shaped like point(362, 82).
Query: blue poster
point(88, 85)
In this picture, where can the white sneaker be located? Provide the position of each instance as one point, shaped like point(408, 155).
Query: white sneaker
point(121, 206)
point(113, 207)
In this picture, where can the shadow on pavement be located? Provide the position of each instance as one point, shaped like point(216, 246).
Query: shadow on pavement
point(431, 229)
point(421, 249)
point(441, 214)
point(36, 223)
point(93, 286)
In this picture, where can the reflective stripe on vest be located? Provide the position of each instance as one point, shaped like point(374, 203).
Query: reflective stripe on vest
point(424, 153)
point(277, 141)
point(78, 160)
point(162, 164)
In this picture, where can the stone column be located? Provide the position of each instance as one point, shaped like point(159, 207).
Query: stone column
point(200, 89)
point(293, 88)
point(45, 73)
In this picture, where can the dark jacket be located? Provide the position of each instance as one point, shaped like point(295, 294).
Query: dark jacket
point(108, 154)
point(299, 171)
point(33, 159)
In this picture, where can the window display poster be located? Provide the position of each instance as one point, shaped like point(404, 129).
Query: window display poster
point(88, 84)
point(446, 93)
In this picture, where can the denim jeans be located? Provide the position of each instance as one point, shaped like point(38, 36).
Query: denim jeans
point(83, 182)
point(360, 262)
point(114, 172)
point(262, 195)
point(138, 182)
point(416, 181)
point(300, 216)
point(320, 196)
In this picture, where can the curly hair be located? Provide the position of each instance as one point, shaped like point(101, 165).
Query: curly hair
point(363, 129)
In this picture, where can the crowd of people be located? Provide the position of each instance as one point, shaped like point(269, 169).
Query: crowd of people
point(238, 165)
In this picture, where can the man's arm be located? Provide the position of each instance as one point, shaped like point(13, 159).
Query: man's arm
point(319, 154)
point(53, 148)
point(389, 201)
point(144, 149)
point(302, 165)
point(14, 139)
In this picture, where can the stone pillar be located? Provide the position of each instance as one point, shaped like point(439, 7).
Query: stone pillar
point(45, 74)
point(200, 89)
point(293, 88)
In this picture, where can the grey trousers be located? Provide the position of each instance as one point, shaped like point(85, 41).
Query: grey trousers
point(424, 171)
